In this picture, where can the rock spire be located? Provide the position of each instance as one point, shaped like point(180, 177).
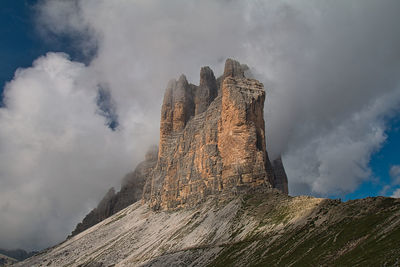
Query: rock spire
point(212, 139)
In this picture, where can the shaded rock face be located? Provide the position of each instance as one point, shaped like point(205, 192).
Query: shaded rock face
point(206, 92)
point(212, 139)
point(281, 181)
point(101, 212)
point(131, 191)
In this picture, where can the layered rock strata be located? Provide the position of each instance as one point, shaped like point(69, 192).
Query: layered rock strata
point(210, 142)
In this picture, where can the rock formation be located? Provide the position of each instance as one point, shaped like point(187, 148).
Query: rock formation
point(212, 140)
point(131, 191)
point(212, 156)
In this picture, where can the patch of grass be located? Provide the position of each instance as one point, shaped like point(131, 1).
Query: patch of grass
point(230, 255)
point(355, 240)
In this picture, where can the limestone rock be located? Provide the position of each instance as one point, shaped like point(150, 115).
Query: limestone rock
point(217, 147)
point(212, 141)
point(241, 134)
point(233, 69)
point(281, 181)
point(207, 90)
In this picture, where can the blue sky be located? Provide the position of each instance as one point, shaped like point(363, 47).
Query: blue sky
point(77, 122)
point(21, 43)
point(380, 163)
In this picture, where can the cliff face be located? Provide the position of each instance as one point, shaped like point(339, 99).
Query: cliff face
point(210, 142)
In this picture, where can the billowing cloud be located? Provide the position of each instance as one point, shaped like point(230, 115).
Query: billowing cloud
point(396, 193)
point(331, 71)
point(394, 173)
point(56, 153)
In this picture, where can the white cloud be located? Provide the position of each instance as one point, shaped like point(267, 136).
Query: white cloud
point(395, 174)
point(396, 193)
point(56, 154)
point(331, 71)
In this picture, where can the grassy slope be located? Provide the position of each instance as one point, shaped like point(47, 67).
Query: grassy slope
point(258, 229)
point(356, 233)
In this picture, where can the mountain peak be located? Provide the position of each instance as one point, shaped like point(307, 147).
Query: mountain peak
point(210, 143)
point(233, 69)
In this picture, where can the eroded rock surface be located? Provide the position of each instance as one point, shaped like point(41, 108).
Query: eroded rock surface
point(210, 143)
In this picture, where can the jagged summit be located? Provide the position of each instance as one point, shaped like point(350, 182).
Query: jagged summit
point(233, 69)
point(212, 139)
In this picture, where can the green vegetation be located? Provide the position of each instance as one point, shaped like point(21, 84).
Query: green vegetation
point(352, 235)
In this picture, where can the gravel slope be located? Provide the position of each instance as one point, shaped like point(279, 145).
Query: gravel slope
point(265, 229)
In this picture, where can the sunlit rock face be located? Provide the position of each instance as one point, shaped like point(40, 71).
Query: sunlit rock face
point(212, 139)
